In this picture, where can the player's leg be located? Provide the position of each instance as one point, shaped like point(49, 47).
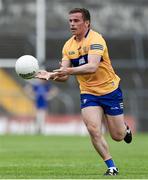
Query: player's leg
point(113, 108)
point(92, 117)
point(118, 129)
point(116, 126)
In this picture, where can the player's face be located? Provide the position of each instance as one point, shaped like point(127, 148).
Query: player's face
point(77, 24)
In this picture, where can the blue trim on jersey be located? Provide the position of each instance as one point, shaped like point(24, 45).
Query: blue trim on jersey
point(111, 103)
point(81, 60)
point(87, 33)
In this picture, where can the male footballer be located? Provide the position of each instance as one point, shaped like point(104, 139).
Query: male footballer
point(85, 55)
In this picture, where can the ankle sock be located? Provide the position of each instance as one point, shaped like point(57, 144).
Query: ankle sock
point(110, 163)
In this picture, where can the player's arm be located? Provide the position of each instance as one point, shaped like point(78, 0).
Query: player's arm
point(89, 68)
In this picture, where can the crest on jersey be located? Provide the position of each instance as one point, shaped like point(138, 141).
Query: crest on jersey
point(85, 49)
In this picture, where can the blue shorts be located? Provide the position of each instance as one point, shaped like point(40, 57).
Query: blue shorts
point(111, 103)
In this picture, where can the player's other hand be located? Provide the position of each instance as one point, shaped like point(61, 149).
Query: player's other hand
point(63, 71)
point(43, 74)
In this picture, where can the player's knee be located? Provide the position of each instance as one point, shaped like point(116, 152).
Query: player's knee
point(94, 132)
point(118, 136)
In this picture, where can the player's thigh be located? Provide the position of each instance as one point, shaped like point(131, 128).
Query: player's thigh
point(116, 126)
point(92, 117)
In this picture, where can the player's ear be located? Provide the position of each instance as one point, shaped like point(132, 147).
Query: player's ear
point(87, 23)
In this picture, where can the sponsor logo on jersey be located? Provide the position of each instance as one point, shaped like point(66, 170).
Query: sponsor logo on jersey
point(71, 52)
point(81, 61)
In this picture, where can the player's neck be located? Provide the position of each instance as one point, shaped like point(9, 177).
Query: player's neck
point(82, 35)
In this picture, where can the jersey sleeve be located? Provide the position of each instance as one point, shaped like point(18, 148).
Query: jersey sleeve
point(64, 53)
point(97, 45)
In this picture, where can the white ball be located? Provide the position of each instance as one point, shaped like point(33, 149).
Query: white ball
point(26, 66)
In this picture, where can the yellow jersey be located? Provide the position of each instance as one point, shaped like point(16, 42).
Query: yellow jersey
point(104, 80)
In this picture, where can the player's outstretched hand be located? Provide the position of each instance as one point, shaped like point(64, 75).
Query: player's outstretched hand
point(43, 74)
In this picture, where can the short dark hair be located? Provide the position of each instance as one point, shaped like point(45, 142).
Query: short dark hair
point(85, 13)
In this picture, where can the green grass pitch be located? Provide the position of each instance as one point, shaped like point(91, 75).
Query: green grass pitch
point(69, 157)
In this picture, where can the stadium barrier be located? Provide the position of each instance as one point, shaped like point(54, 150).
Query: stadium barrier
point(54, 125)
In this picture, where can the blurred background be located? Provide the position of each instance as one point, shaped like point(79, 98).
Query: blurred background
point(40, 28)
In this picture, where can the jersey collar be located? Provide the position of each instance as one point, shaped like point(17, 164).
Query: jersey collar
point(87, 33)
